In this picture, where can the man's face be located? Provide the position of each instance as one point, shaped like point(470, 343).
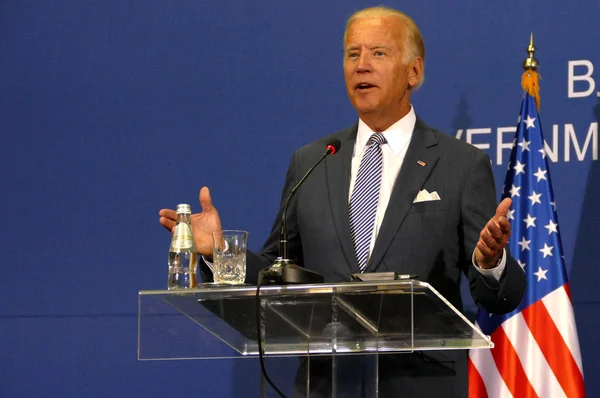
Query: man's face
point(377, 78)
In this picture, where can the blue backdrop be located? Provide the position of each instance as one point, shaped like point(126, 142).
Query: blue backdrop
point(111, 110)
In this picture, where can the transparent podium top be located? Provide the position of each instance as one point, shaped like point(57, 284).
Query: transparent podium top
point(319, 319)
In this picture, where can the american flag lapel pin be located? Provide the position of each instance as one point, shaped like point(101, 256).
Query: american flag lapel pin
point(421, 163)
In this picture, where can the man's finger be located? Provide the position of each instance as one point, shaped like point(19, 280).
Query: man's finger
point(205, 200)
point(503, 207)
point(489, 241)
point(494, 229)
point(167, 223)
point(504, 225)
point(168, 213)
point(485, 251)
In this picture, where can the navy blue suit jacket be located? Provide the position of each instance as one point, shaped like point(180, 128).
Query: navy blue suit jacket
point(434, 240)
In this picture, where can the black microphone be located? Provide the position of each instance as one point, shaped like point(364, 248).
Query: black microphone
point(283, 270)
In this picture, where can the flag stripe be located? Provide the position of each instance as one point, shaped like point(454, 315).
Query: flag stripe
point(534, 363)
point(564, 319)
point(510, 366)
point(567, 288)
point(476, 383)
point(484, 365)
point(554, 348)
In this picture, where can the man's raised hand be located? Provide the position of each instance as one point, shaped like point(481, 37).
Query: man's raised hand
point(203, 224)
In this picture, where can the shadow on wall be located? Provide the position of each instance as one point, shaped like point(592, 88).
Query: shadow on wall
point(585, 276)
point(585, 272)
point(462, 120)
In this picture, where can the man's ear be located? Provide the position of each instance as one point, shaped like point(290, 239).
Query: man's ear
point(415, 71)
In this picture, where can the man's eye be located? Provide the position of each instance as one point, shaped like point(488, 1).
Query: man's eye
point(379, 53)
point(352, 55)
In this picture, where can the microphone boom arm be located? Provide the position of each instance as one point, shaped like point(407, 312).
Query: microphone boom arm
point(283, 271)
point(283, 247)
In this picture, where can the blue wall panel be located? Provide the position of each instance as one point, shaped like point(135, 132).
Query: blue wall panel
point(112, 110)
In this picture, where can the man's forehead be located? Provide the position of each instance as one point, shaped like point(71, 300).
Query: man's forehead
point(374, 31)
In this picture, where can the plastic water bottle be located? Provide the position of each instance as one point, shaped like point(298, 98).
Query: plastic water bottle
point(183, 258)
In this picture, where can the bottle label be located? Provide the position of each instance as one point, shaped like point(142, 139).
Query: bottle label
point(182, 237)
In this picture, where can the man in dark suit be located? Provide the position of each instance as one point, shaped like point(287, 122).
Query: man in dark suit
point(434, 212)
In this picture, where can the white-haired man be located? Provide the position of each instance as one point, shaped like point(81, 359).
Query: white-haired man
point(333, 232)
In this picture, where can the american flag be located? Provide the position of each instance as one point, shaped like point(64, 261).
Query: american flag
point(536, 351)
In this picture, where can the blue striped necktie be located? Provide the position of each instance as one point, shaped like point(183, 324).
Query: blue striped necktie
point(365, 198)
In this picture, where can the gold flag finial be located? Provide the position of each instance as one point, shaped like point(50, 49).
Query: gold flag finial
point(529, 81)
point(531, 63)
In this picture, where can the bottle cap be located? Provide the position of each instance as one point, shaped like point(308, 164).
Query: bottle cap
point(183, 208)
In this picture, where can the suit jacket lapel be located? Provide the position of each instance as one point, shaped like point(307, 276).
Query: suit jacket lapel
point(338, 181)
point(410, 179)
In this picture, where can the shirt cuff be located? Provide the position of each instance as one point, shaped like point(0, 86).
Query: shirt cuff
point(492, 273)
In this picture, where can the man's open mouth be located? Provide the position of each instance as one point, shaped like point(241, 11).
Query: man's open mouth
point(364, 86)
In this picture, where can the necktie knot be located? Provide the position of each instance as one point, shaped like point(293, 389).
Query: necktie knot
point(378, 138)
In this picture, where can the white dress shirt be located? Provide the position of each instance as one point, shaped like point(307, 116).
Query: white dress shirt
point(398, 137)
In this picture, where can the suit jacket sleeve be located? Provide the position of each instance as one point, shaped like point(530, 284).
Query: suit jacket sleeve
point(478, 203)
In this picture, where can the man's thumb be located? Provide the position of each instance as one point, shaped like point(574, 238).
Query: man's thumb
point(205, 200)
point(503, 207)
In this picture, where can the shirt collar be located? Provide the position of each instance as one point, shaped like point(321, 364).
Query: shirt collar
point(397, 135)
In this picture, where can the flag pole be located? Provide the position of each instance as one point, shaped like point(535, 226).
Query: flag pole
point(530, 79)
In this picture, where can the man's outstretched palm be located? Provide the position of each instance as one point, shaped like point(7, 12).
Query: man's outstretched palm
point(203, 224)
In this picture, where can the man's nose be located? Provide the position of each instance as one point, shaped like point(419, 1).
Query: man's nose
point(363, 64)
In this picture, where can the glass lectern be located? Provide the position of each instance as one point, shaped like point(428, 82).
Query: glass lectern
point(335, 320)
